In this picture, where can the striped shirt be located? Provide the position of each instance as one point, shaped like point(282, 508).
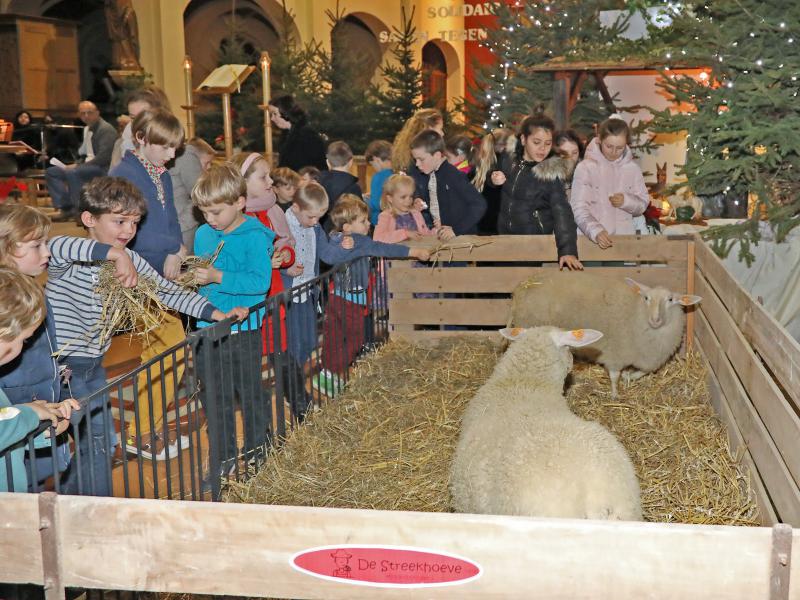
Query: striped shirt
point(72, 278)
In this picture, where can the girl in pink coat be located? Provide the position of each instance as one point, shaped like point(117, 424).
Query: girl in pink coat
point(399, 220)
point(608, 189)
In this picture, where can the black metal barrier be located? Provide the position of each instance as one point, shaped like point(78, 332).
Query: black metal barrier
point(232, 390)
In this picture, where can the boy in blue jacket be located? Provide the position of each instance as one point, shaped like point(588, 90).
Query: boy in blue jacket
point(240, 276)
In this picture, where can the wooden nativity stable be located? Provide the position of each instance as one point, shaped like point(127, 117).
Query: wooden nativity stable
point(258, 551)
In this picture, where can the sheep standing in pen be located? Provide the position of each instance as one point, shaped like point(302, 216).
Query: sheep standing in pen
point(643, 326)
point(523, 452)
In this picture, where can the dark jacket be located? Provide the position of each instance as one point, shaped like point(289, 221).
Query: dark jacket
point(534, 201)
point(461, 206)
point(300, 147)
point(337, 183)
point(159, 231)
point(103, 137)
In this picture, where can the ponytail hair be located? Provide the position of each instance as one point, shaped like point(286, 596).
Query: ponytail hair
point(485, 161)
point(425, 118)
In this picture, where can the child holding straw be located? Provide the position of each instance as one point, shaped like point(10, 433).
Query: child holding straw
point(110, 210)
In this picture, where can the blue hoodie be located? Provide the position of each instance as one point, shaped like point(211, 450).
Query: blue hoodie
point(245, 265)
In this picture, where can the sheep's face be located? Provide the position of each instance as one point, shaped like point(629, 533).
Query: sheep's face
point(658, 301)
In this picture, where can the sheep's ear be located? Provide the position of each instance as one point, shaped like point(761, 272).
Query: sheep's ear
point(685, 299)
point(512, 333)
point(639, 288)
point(575, 338)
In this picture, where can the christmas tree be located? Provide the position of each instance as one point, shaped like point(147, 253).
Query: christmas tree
point(529, 34)
point(398, 97)
point(743, 113)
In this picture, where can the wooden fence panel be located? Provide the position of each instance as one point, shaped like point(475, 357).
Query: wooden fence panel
point(245, 550)
point(20, 545)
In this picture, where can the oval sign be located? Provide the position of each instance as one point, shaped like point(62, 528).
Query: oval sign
point(386, 566)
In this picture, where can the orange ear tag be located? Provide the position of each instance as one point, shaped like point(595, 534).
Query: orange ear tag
point(515, 331)
point(685, 299)
point(577, 334)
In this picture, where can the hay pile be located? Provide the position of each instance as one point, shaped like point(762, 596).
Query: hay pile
point(387, 441)
point(190, 264)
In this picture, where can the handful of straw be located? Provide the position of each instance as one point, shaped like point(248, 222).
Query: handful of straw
point(136, 310)
point(190, 264)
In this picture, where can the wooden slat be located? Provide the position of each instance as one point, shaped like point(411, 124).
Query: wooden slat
point(779, 350)
point(397, 271)
point(778, 480)
point(504, 279)
point(20, 543)
point(773, 407)
point(449, 311)
point(688, 340)
point(738, 446)
point(520, 248)
point(423, 337)
point(145, 545)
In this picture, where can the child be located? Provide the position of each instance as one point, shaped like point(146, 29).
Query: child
point(148, 97)
point(111, 208)
point(568, 145)
point(344, 327)
point(240, 276)
point(23, 245)
point(489, 153)
point(452, 200)
point(399, 220)
point(533, 197)
point(285, 183)
point(307, 175)
point(22, 310)
point(196, 158)
point(156, 134)
point(608, 189)
point(424, 118)
point(338, 180)
point(458, 150)
point(379, 156)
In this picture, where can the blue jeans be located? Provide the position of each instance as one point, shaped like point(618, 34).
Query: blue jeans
point(64, 185)
point(89, 473)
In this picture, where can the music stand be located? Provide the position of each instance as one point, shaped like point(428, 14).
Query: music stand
point(223, 81)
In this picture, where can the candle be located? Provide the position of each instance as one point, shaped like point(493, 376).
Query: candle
point(189, 107)
point(265, 93)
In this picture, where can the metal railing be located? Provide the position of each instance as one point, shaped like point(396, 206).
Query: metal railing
point(228, 393)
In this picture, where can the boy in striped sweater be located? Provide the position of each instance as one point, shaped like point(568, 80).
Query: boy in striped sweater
point(110, 210)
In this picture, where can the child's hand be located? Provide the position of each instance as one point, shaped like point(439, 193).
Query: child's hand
point(604, 240)
point(616, 200)
point(277, 260)
point(206, 275)
point(64, 410)
point(44, 410)
point(295, 270)
point(239, 313)
point(419, 204)
point(124, 268)
point(347, 242)
point(445, 233)
point(172, 266)
point(420, 253)
point(571, 263)
point(498, 177)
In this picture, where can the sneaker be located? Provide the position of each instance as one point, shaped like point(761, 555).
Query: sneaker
point(155, 447)
point(327, 382)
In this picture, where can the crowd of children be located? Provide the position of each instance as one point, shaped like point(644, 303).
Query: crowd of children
point(269, 230)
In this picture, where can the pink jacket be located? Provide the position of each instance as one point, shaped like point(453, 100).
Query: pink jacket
point(386, 230)
point(596, 178)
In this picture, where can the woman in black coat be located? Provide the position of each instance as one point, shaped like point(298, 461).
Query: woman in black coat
point(300, 145)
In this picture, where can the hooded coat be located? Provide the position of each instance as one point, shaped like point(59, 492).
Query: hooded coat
point(534, 202)
point(596, 178)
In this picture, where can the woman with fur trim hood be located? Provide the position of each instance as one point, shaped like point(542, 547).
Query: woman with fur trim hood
point(533, 198)
point(608, 189)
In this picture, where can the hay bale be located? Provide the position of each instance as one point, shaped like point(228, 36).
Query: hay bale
point(387, 441)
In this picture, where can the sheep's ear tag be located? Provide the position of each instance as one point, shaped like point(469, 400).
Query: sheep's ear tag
point(512, 333)
point(687, 300)
point(576, 338)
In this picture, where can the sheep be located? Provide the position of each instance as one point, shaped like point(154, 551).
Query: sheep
point(644, 326)
point(521, 451)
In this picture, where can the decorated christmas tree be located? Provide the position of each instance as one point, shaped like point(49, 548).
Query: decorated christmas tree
point(529, 34)
point(743, 114)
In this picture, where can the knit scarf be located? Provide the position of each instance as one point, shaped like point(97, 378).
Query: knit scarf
point(155, 174)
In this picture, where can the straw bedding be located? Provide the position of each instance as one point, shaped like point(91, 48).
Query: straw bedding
point(387, 441)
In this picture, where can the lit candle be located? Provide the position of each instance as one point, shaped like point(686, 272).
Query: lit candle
point(265, 93)
point(189, 107)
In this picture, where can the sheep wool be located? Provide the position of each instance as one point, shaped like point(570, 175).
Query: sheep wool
point(522, 451)
point(643, 326)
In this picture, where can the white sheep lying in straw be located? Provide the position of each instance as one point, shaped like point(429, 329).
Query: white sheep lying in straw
point(643, 326)
point(523, 452)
